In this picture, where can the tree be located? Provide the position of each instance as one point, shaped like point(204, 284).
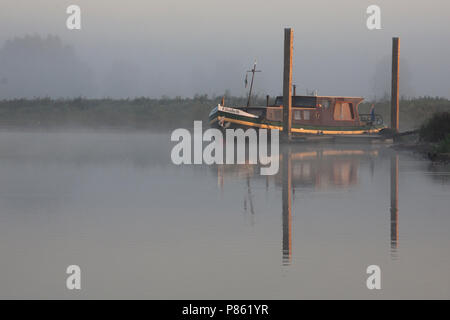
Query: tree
point(33, 66)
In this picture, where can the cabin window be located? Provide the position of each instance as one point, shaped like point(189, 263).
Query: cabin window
point(325, 104)
point(306, 115)
point(274, 114)
point(343, 111)
point(297, 115)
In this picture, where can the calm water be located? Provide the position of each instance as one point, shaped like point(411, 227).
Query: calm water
point(141, 227)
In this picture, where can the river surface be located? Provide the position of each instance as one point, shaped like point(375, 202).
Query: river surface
point(139, 226)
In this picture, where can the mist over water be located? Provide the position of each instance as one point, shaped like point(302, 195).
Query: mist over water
point(141, 227)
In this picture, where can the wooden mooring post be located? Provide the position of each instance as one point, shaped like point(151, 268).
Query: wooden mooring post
point(395, 84)
point(287, 84)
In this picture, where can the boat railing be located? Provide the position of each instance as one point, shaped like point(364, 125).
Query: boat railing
point(370, 119)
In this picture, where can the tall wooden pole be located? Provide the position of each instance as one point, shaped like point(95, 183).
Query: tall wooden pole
point(287, 84)
point(395, 84)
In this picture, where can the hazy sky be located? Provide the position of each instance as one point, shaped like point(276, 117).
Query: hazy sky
point(175, 47)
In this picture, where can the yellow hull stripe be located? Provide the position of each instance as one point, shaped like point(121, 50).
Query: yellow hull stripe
point(298, 130)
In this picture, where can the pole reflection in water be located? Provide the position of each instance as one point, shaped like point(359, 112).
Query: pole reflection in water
point(394, 204)
point(287, 203)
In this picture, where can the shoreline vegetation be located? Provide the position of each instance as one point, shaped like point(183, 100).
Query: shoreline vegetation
point(430, 116)
point(167, 113)
point(435, 132)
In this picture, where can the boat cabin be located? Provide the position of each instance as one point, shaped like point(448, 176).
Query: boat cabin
point(314, 111)
point(317, 110)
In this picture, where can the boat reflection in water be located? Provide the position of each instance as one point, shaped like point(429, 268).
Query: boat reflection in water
point(319, 168)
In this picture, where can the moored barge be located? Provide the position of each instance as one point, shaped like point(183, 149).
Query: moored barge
point(311, 116)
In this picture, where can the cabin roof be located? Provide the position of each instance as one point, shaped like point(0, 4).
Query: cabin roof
point(330, 97)
point(312, 101)
point(335, 97)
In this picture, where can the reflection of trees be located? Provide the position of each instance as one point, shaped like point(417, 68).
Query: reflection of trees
point(34, 66)
point(439, 172)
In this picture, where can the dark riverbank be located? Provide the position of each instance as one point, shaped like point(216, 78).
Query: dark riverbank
point(431, 140)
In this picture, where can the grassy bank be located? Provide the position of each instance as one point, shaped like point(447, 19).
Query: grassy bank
point(140, 113)
point(436, 132)
point(166, 113)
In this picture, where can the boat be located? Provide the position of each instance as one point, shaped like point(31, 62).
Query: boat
point(312, 115)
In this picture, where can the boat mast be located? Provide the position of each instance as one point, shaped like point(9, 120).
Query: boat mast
point(251, 83)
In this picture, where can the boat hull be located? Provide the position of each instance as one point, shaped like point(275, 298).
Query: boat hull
point(223, 117)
